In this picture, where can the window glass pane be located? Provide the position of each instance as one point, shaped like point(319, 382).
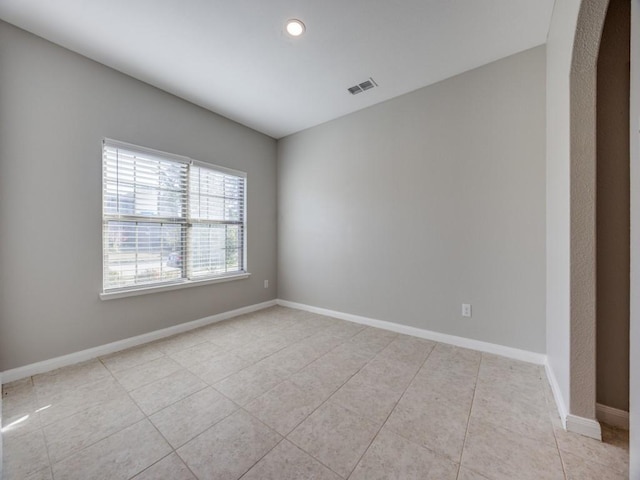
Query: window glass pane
point(215, 195)
point(142, 253)
point(215, 249)
point(143, 186)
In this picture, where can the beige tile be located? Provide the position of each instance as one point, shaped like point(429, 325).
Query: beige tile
point(256, 350)
point(367, 397)
point(434, 415)
point(162, 393)
point(63, 405)
point(507, 366)
point(14, 425)
point(285, 406)
point(288, 462)
point(612, 451)
point(344, 358)
point(374, 335)
point(229, 448)
point(295, 357)
point(281, 315)
point(466, 474)
point(459, 389)
point(324, 386)
point(294, 333)
point(370, 341)
point(501, 454)
point(18, 397)
point(335, 436)
point(455, 361)
point(266, 327)
point(248, 384)
point(392, 374)
point(520, 382)
point(526, 416)
point(24, 455)
point(218, 367)
point(325, 320)
point(524, 393)
point(392, 457)
point(44, 474)
point(230, 339)
point(191, 416)
point(409, 350)
point(331, 371)
point(323, 342)
point(131, 357)
point(19, 389)
point(170, 467)
point(73, 433)
point(146, 373)
point(579, 468)
point(19, 409)
point(120, 456)
point(344, 330)
point(67, 378)
point(201, 352)
point(177, 343)
point(218, 328)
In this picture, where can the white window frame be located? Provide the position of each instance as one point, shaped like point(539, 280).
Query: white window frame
point(128, 291)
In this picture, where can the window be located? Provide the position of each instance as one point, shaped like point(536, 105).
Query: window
point(168, 220)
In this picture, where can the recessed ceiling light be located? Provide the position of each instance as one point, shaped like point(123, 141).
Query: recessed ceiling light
point(295, 27)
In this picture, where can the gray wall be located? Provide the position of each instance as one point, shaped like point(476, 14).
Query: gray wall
point(56, 106)
point(405, 210)
point(612, 194)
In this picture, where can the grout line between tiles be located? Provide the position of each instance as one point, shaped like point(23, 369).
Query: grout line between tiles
point(394, 407)
point(329, 398)
point(282, 439)
point(473, 399)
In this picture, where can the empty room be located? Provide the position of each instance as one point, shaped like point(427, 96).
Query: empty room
point(320, 240)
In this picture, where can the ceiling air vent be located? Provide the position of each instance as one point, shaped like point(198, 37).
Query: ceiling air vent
point(361, 87)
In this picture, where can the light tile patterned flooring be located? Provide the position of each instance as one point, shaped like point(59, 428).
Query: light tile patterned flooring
point(284, 394)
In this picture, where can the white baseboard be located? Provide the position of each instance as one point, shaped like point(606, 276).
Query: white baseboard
point(515, 353)
point(83, 355)
point(557, 394)
point(584, 426)
point(612, 416)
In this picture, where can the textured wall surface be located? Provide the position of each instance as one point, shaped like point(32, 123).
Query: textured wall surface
point(56, 108)
point(583, 205)
point(612, 210)
point(406, 210)
point(634, 374)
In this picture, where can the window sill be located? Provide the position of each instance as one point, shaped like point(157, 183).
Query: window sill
point(172, 286)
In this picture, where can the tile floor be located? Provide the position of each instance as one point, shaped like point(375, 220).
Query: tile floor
point(285, 394)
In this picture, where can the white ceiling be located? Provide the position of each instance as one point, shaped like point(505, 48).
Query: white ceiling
point(233, 57)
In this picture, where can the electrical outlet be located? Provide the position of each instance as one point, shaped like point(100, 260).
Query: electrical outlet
point(266, 284)
point(466, 309)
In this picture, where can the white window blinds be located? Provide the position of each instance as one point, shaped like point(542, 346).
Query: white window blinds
point(167, 219)
point(216, 210)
